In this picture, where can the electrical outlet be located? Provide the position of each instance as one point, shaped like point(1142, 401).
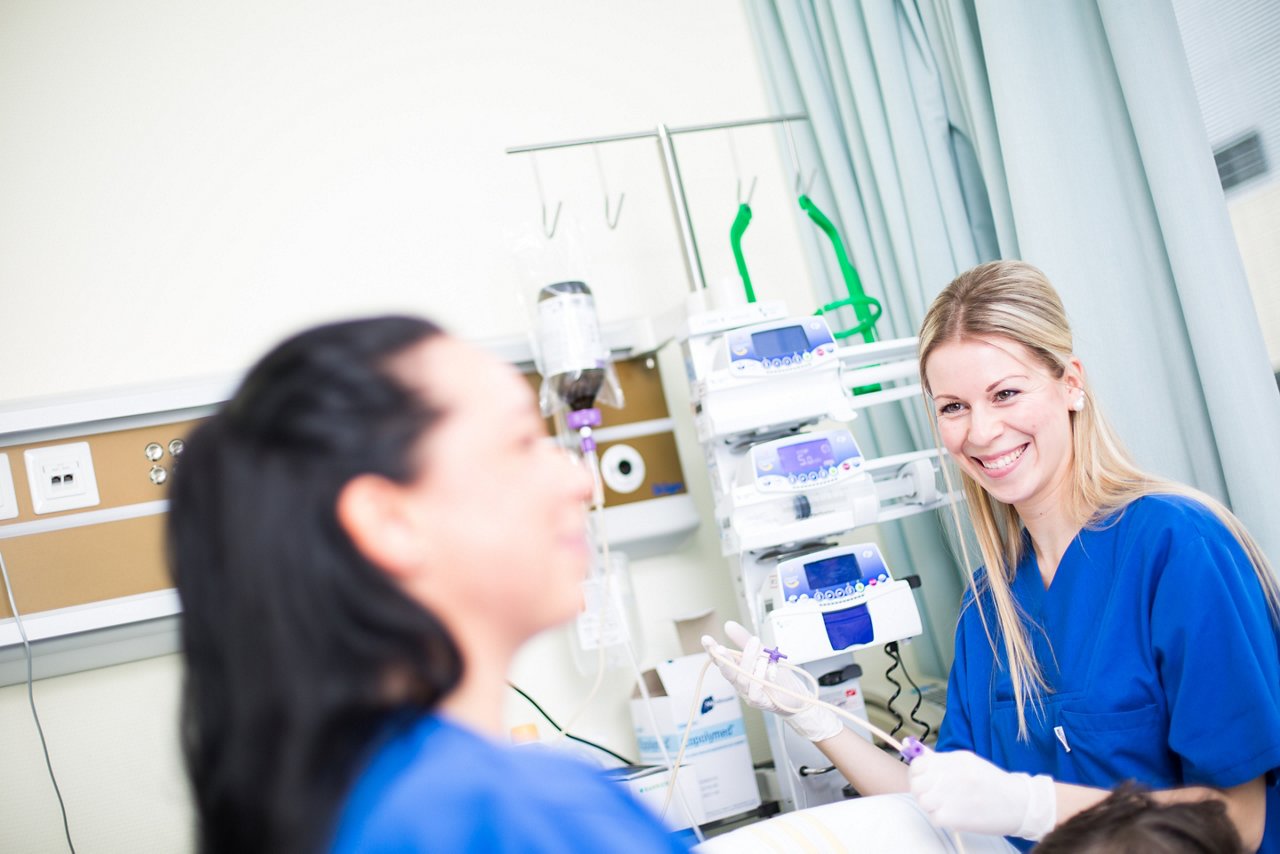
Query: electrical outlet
point(61, 477)
point(8, 500)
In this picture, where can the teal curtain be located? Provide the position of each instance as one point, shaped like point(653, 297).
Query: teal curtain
point(1064, 132)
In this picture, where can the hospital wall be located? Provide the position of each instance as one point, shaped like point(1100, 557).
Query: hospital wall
point(185, 183)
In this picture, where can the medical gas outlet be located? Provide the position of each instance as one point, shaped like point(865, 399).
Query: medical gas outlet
point(836, 600)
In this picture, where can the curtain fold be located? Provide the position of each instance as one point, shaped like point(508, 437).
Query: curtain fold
point(1227, 346)
point(1064, 132)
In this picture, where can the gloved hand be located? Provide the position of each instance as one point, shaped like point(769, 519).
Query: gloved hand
point(812, 722)
point(960, 790)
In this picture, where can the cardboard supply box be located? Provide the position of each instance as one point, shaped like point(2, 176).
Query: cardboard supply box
point(717, 747)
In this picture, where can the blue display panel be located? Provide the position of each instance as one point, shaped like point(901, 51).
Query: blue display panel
point(805, 461)
point(787, 341)
point(836, 578)
point(780, 346)
point(806, 456)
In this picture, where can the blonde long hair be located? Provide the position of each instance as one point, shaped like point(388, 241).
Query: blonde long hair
point(1015, 301)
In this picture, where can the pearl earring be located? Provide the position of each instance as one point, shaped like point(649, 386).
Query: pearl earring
point(1078, 403)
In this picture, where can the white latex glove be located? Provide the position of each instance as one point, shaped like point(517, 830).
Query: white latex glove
point(813, 722)
point(960, 790)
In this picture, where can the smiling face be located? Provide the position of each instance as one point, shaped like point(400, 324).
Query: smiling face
point(1005, 419)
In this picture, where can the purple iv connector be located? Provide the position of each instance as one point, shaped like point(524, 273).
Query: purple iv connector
point(911, 748)
point(583, 420)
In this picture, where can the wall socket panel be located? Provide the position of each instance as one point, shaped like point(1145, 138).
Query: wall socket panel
point(61, 477)
point(8, 500)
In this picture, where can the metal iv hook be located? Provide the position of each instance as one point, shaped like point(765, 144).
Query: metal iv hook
point(741, 221)
point(549, 231)
point(802, 188)
point(611, 215)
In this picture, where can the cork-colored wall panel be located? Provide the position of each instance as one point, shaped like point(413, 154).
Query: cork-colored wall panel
point(77, 566)
point(641, 387)
point(662, 472)
point(106, 560)
point(119, 464)
point(645, 401)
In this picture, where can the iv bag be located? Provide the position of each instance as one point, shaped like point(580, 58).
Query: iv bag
point(572, 357)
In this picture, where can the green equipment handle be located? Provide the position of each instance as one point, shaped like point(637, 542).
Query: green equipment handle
point(740, 223)
point(866, 309)
point(868, 306)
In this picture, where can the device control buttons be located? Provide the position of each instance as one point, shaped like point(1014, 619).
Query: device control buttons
point(154, 451)
point(158, 475)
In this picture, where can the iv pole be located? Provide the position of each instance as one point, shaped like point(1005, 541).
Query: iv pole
point(675, 184)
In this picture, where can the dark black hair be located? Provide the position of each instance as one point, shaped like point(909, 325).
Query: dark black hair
point(299, 651)
point(1129, 819)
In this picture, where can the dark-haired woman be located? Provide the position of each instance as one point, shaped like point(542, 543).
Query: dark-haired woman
point(362, 539)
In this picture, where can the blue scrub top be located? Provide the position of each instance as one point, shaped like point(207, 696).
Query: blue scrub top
point(437, 786)
point(1162, 660)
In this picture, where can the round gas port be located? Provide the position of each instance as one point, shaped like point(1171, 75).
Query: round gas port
point(159, 475)
point(176, 446)
point(622, 468)
point(154, 451)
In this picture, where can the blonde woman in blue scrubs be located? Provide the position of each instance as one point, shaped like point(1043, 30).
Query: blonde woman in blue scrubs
point(1130, 630)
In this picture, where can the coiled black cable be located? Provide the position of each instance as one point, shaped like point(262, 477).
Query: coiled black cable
point(896, 654)
point(897, 687)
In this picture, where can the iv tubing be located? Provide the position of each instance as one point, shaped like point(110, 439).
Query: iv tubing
point(597, 500)
point(733, 660)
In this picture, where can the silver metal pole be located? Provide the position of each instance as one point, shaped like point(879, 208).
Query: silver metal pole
point(571, 143)
point(645, 134)
point(768, 120)
point(675, 187)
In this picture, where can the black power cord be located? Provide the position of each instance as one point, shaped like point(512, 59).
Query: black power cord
point(897, 687)
point(558, 728)
point(892, 649)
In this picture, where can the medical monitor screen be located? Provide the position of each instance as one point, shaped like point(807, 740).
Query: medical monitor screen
point(806, 456)
point(780, 342)
point(832, 572)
